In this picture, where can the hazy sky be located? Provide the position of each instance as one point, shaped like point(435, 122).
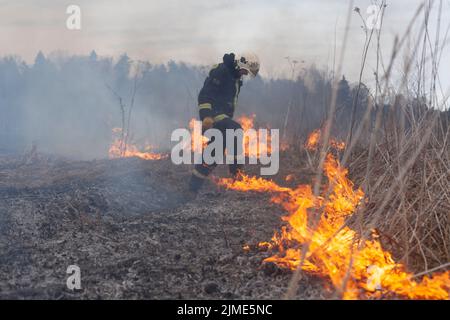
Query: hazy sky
point(200, 31)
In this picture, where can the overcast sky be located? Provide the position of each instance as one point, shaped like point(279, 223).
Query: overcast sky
point(200, 31)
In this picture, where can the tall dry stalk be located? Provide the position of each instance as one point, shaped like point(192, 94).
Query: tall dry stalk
point(399, 154)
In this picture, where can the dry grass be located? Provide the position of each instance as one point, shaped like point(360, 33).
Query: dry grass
point(409, 196)
point(405, 170)
point(398, 152)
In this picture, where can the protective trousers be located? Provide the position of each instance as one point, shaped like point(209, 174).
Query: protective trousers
point(201, 171)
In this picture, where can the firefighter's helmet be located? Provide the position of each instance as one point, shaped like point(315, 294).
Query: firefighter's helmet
point(249, 62)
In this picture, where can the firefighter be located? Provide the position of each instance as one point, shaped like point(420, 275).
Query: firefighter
point(217, 102)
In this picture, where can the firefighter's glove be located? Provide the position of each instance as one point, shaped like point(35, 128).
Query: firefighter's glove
point(207, 123)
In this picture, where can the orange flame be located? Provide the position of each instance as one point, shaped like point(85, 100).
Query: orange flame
point(196, 135)
point(251, 146)
point(333, 246)
point(314, 138)
point(119, 149)
point(289, 177)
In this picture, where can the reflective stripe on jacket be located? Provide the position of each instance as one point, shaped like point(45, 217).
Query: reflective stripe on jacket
point(218, 97)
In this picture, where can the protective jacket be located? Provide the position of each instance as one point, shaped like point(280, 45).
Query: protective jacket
point(218, 97)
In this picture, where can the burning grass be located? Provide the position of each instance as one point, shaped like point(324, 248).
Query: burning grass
point(120, 148)
point(410, 214)
point(359, 267)
point(254, 146)
point(126, 224)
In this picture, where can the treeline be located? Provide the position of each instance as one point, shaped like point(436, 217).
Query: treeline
point(70, 104)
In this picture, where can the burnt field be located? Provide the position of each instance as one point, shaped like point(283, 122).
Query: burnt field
point(355, 114)
point(132, 232)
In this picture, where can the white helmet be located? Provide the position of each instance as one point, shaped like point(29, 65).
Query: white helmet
point(249, 62)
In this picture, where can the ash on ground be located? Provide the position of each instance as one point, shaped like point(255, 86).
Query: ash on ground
point(128, 226)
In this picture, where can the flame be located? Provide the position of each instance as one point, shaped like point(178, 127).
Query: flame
point(284, 146)
point(118, 149)
point(289, 177)
point(333, 246)
point(197, 135)
point(314, 138)
point(251, 146)
point(247, 122)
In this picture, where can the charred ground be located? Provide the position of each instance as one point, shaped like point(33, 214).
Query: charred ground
point(127, 225)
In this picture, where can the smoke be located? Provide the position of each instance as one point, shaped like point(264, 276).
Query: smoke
point(69, 105)
point(198, 32)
